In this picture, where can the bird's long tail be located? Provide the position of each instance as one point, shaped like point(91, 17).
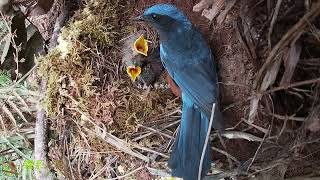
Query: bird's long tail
point(186, 154)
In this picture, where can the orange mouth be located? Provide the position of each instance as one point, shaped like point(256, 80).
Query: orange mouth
point(141, 45)
point(133, 72)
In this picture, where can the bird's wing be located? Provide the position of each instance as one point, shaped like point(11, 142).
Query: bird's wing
point(197, 79)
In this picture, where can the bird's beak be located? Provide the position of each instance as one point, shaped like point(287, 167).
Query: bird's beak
point(133, 72)
point(139, 18)
point(141, 46)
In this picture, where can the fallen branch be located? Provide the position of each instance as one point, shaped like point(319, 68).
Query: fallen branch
point(40, 140)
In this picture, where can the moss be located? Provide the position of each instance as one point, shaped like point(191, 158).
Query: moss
point(68, 68)
point(97, 22)
point(69, 79)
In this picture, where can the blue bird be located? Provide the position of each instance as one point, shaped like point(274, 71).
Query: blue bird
point(188, 59)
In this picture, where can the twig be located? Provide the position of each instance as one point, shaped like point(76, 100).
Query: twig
point(284, 87)
point(235, 126)
point(118, 143)
point(304, 143)
point(282, 129)
point(223, 14)
point(156, 131)
point(292, 117)
point(266, 168)
point(257, 127)
point(67, 151)
point(2, 124)
point(158, 172)
point(273, 61)
point(301, 83)
point(226, 154)
point(170, 144)
point(103, 169)
point(240, 135)
point(121, 177)
point(273, 21)
point(206, 140)
point(291, 34)
point(256, 153)
point(150, 133)
point(225, 148)
point(150, 150)
point(158, 119)
point(224, 175)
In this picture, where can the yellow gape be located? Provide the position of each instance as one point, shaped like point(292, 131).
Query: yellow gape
point(133, 72)
point(141, 45)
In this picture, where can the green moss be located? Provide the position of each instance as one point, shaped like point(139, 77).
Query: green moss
point(97, 22)
point(69, 79)
point(68, 68)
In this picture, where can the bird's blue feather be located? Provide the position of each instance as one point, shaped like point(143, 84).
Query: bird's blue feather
point(185, 157)
point(168, 10)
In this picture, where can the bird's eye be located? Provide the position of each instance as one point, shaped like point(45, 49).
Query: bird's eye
point(154, 16)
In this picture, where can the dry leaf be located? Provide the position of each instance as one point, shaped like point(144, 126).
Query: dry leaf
point(268, 79)
point(204, 4)
point(214, 11)
point(290, 62)
point(313, 122)
point(223, 14)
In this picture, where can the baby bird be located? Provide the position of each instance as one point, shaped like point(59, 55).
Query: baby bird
point(145, 69)
point(142, 63)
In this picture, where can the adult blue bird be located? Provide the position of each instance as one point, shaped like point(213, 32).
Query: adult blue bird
point(188, 59)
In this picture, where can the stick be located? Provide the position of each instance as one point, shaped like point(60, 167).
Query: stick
point(256, 153)
point(225, 148)
point(273, 21)
point(206, 141)
point(288, 37)
point(151, 133)
point(40, 140)
point(156, 131)
point(226, 154)
point(293, 85)
point(121, 177)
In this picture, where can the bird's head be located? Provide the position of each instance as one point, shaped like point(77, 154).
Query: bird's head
point(164, 17)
